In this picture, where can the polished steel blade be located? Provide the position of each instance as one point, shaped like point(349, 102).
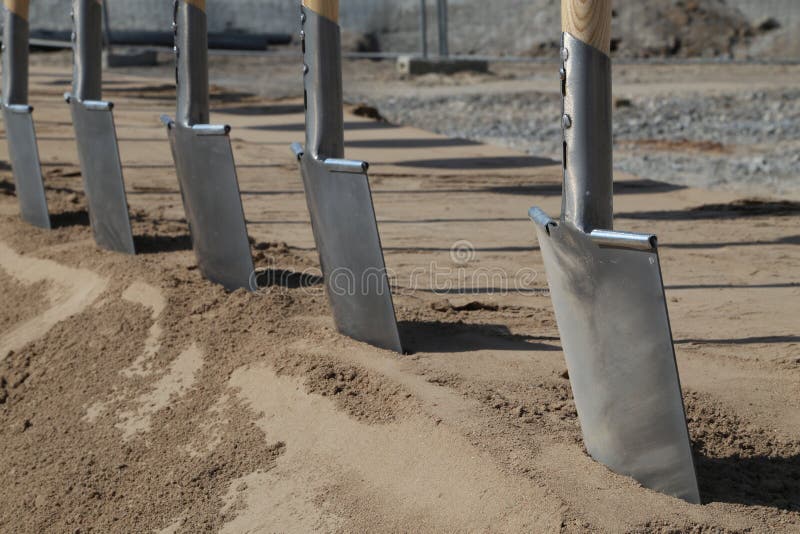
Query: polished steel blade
point(608, 296)
point(211, 198)
point(349, 246)
point(24, 154)
point(98, 152)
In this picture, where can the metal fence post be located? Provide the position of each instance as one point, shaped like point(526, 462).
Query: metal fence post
point(423, 26)
point(444, 50)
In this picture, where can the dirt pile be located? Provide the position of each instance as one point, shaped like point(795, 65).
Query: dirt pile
point(677, 28)
point(653, 29)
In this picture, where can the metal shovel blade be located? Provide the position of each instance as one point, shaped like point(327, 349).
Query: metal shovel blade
point(210, 191)
point(349, 246)
point(608, 296)
point(98, 153)
point(24, 154)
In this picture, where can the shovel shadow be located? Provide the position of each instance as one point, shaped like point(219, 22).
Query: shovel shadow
point(67, 219)
point(286, 278)
point(757, 480)
point(159, 243)
point(6, 187)
point(438, 336)
point(258, 110)
point(488, 163)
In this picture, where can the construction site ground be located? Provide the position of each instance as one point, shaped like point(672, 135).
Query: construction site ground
point(137, 397)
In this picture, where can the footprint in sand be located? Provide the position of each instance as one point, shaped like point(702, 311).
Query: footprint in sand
point(70, 292)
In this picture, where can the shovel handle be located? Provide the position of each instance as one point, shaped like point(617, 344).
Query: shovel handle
point(327, 8)
point(322, 79)
point(19, 7)
point(87, 70)
point(15, 52)
point(588, 21)
point(191, 47)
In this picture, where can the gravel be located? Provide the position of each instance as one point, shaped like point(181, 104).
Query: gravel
point(742, 141)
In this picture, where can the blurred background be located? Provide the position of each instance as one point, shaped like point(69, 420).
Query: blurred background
point(725, 29)
point(706, 92)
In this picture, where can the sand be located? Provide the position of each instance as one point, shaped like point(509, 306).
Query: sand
point(137, 397)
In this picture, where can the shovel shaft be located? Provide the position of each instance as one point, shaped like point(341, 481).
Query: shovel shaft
point(586, 116)
point(15, 52)
point(87, 77)
point(191, 48)
point(323, 79)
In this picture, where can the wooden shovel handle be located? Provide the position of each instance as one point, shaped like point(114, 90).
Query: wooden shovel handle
point(327, 8)
point(19, 7)
point(589, 21)
point(199, 4)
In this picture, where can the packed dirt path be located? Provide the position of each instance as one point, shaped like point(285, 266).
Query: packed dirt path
point(137, 397)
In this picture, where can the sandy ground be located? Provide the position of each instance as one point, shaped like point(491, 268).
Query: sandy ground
point(137, 397)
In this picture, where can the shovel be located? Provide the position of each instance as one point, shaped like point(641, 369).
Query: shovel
point(606, 286)
point(20, 133)
point(204, 160)
point(95, 133)
point(338, 193)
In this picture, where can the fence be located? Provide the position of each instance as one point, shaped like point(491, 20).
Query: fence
point(500, 27)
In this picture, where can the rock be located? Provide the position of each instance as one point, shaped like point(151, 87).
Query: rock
point(369, 112)
point(360, 42)
point(622, 102)
point(766, 24)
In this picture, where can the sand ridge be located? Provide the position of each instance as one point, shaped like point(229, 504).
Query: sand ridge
point(180, 376)
point(70, 291)
point(410, 470)
point(150, 297)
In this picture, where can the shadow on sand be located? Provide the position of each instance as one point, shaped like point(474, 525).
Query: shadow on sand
point(437, 336)
point(757, 480)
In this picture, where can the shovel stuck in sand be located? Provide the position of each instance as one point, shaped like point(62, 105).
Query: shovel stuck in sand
point(20, 133)
point(204, 160)
point(606, 286)
point(96, 134)
point(338, 193)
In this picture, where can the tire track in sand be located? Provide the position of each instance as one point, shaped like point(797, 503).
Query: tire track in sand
point(71, 291)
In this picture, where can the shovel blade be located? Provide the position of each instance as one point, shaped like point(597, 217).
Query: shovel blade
point(608, 296)
point(98, 153)
point(346, 233)
point(213, 205)
point(24, 154)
